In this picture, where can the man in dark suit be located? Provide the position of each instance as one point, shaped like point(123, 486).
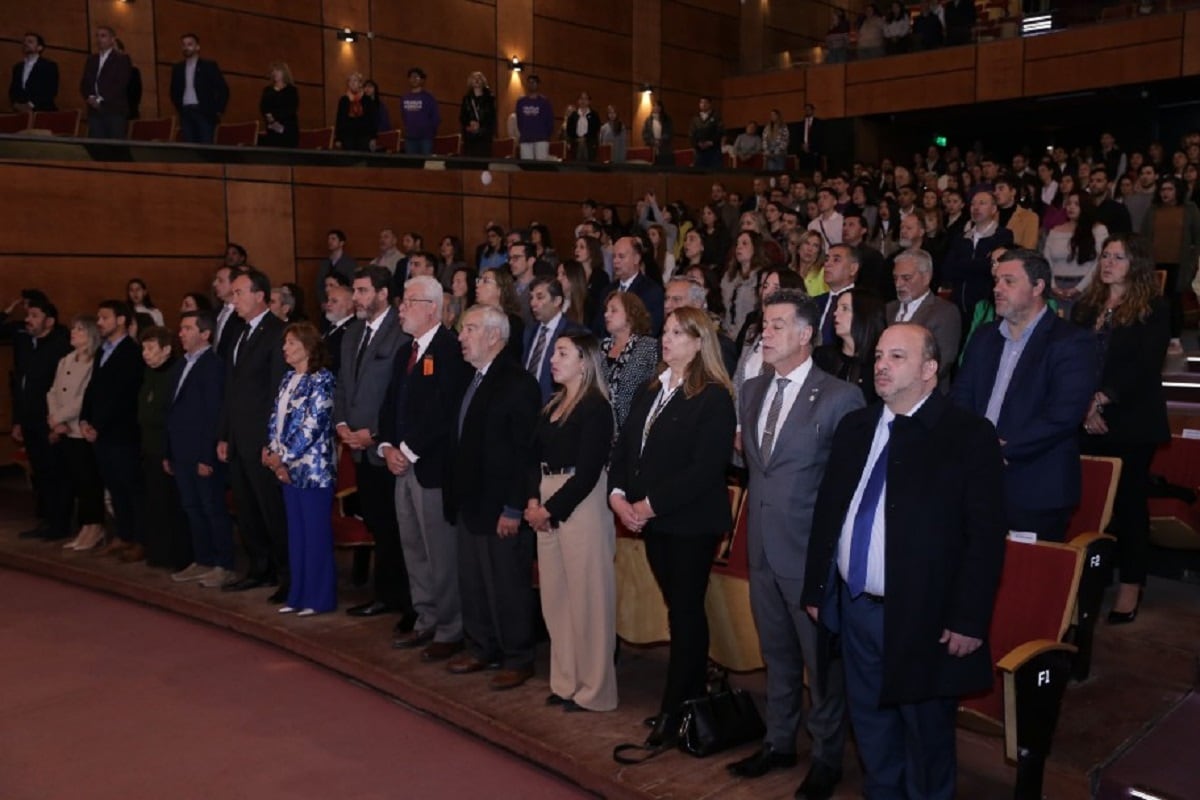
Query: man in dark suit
point(415, 427)
point(873, 273)
point(39, 348)
point(546, 303)
point(253, 374)
point(916, 302)
point(34, 85)
point(909, 583)
point(788, 419)
point(490, 460)
point(105, 87)
point(968, 266)
point(339, 314)
point(1112, 215)
point(841, 275)
point(368, 350)
point(228, 327)
point(809, 139)
point(108, 419)
point(628, 252)
point(1032, 374)
point(193, 413)
point(199, 93)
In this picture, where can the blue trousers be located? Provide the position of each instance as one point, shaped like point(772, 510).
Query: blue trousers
point(907, 750)
point(708, 159)
point(203, 501)
point(195, 126)
point(310, 548)
point(418, 147)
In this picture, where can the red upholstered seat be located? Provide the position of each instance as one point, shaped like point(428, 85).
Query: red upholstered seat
point(685, 157)
point(504, 148)
point(152, 130)
point(317, 139)
point(237, 134)
point(1173, 522)
point(14, 123)
point(387, 142)
point(450, 145)
point(733, 556)
point(559, 150)
point(639, 154)
point(60, 123)
point(1100, 476)
point(348, 530)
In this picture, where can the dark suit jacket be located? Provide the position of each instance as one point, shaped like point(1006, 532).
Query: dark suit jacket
point(420, 408)
point(211, 89)
point(968, 267)
point(251, 388)
point(945, 323)
point(358, 398)
point(229, 336)
point(333, 344)
point(110, 402)
point(42, 87)
point(113, 81)
point(491, 457)
point(943, 556)
point(193, 411)
point(545, 382)
point(1131, 378)
point(593, 134)
point(651, 295)
point(36, 368)
point(681, 470)
point(1043, 408)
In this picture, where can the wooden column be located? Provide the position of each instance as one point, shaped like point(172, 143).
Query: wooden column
point(647, 62)
point(753, 38)
point(343, 58)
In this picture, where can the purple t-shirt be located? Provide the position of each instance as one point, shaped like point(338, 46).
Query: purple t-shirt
point(421, 115)
point(535, 119)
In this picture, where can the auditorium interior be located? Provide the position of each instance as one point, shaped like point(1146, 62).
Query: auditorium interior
point(124, 682)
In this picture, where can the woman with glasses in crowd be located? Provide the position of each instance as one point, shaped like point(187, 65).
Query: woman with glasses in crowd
point(495, 287)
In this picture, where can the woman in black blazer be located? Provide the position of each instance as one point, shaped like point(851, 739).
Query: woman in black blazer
point(667, 481)
point(1128, 415)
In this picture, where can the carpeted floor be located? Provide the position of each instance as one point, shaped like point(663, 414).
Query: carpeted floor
point(105, 698)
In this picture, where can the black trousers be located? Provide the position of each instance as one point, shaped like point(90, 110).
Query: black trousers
point(1131, 507)
point(168, 537)
point(681, 565)
point(495, 580)
point(45, 470)
point(86, 487)
point(121, 470)
point(260, 517)
point(1173, 298)
point(377, 503)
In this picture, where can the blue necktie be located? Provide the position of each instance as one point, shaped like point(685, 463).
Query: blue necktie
point(864, 520)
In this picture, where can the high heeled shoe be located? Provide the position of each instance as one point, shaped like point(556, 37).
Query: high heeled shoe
point(90, 537)
point(72, 543)
point(1125, 617)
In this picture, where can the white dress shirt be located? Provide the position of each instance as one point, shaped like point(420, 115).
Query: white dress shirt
point(548, 350)
point(27, 69)
point(222, 317)
point(791, 391)
point(189, 82)
point(907, 309)
point(104, 54)
point(423, 342)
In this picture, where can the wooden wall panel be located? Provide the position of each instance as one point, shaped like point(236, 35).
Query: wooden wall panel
point(700, 30)
point(62, 23)
point(999, 72)
point(1154, 28)
point(260, 220)
point(1191, 43)
point(901, 94)
point(465, 26)
point(514, 36)
point(1132, 64)
point(173, 216)
point(362, 213)
point(575, 48)
point(826, 90)
point(934, 62)
point(298, 10)
point(614, 16)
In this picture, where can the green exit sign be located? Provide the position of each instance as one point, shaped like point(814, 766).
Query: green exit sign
point(940, 141)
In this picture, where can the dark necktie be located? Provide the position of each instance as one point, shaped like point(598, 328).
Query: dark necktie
point(828, 335)
point(237, 347)
point(362, 349)
point(539, 349)
point(864, 521)
point(412, 358)
point(467, 398)
point(768, 439)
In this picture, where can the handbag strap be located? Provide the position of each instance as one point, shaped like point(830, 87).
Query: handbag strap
point(647, 753)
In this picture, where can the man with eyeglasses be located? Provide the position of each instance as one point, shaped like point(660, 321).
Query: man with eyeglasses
point(1032, 375)
point(915, 302)
point(520, 264)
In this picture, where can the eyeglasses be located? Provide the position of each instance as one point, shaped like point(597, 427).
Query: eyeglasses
point(411, 301)
point(1113, 257)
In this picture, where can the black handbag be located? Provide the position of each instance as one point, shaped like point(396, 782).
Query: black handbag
point(718, 721)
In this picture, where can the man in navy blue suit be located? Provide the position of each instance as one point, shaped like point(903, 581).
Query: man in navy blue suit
point(546, 302)
point(841, 272)
point(193, 413)
point(199, 92)
point(628, 254)
point(1032, 374)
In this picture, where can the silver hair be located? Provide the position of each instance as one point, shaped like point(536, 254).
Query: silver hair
point(493, 318)
point(697, 296)
point(286, 298)
point(922, 259)
point(429, 288)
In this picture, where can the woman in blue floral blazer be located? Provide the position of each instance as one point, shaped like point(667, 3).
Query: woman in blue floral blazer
point(300, 451)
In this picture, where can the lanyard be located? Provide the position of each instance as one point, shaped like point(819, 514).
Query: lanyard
point(664, 397)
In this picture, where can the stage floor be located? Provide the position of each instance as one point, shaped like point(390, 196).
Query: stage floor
point(1140, 673)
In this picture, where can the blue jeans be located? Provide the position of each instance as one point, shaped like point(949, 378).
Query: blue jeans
point(195, 127)
point(418, 147)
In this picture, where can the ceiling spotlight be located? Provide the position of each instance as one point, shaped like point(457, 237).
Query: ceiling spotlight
point(515, 64)
point(347, 35)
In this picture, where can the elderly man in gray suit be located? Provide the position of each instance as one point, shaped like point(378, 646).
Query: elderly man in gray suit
point(368, 350)
point(787, 422)
point(917, 303)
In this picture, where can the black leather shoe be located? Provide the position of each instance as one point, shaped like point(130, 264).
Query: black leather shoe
point(34, 533)
point(571, 707)
point(555, 700)
point(762, 762)
point(407, 623)
point(666, 731)
point(1126, 617)
point(372, 609)
point(248, 582)
point(819, 783)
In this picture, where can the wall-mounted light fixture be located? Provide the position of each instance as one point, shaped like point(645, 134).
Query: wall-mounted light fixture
point(647, 88)
point(515, 64)
point(347, 35)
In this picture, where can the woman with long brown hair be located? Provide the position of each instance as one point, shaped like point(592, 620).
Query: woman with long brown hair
point(1128, 415)
point(739, 284)
point(667, 482)
point(495, 287)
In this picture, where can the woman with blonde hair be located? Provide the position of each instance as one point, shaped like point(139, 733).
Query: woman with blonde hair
point(64, 402)
point(477, 116)
point(356, 116)
point(667, 482)
point(808, 260)
point(775, 142)
point(279, 106)
point(576, 540)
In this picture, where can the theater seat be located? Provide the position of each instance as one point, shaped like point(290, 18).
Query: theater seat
point(685, 157)
point(317, 139)
point(237, 134)
point(152, 130)
point(639, 155)
point(388, 142)
point(349, 531)
point(15, 123)
point(504, 148)
point(641, 612)
point(1033, 609)
point(1086, 533)
point(447, 145)
point(733, 639)
point(1174, 522)
point(604, 153)
point(558, 150)
point(59, 123)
